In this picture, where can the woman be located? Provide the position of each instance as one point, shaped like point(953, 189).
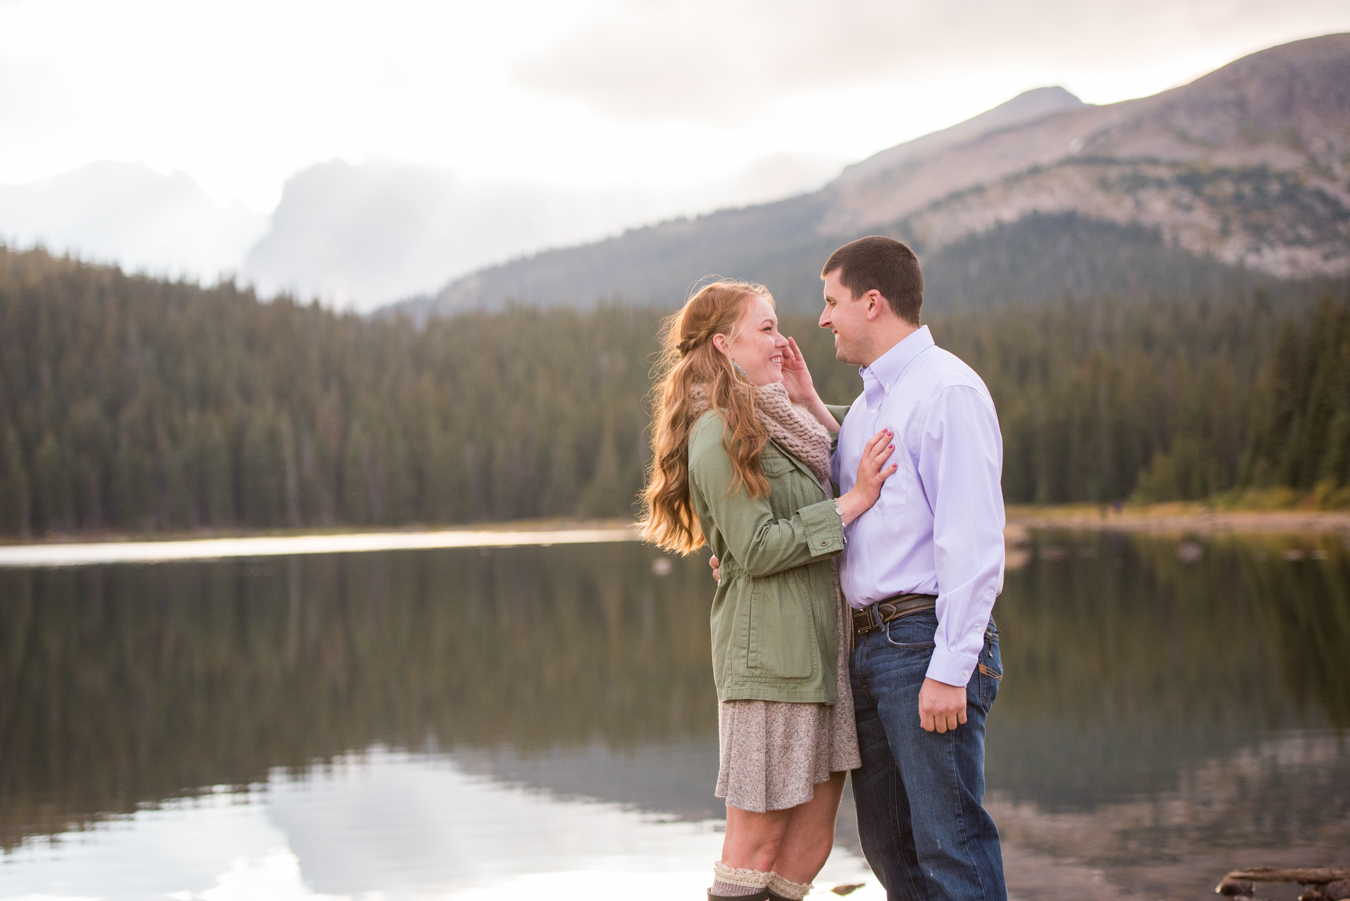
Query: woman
point(741, 466)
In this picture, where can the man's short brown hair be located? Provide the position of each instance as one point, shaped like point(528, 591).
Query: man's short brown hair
point(883, 264)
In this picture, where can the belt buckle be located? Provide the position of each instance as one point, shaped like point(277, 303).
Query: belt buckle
point(874, 620)
point(866, 615)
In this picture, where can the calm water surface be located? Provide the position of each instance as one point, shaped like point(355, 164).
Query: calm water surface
point(540, 721)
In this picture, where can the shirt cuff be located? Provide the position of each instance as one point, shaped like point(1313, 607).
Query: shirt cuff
point(824, 528)
point(951, 669)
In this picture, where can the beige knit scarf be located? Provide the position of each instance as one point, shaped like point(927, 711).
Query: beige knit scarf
point(789, 424)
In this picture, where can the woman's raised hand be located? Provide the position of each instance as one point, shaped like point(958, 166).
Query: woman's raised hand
point(872, 472)
point(800, 388)
point(796, 375)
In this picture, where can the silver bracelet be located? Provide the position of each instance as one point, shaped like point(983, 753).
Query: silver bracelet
point(839, 508)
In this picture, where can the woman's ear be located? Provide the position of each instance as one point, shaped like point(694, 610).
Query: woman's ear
point(720, 342)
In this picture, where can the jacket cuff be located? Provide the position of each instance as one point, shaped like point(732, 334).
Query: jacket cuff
point(824, 528)
point(951, 669)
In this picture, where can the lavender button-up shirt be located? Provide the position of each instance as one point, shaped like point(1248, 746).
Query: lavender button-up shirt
point(938, 526)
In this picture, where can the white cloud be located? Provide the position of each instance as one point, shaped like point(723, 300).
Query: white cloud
point(242, 95)
point(727, 59)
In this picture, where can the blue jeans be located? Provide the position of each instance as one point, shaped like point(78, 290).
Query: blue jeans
point(918, 793)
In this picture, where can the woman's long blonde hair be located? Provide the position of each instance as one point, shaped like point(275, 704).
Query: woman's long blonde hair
point(689, 358)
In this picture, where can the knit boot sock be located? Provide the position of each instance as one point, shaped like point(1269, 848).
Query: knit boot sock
point(740, 884)
point(781, 889)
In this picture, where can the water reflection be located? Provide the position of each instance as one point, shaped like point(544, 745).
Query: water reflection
point(1164, 715)
point(1129, 666)
point(131, 684)
point(376, 825)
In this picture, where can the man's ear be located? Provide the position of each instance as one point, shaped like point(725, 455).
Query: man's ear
point(874, 304)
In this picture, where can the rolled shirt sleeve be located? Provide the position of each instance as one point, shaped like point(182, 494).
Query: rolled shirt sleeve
point(960, 465)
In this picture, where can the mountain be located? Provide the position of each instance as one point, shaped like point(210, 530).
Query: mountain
point(1239, 178)
point(128, 213)
point(1029, 106)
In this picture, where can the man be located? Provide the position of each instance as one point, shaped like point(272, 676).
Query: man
point(921, 569)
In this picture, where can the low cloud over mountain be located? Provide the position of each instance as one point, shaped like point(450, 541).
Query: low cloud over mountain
point(128, 214)
point(364, 235)
point(354, 236)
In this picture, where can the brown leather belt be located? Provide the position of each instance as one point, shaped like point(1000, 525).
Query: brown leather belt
point(874, 617)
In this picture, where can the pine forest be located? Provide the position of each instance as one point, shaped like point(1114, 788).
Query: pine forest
point(130, 404)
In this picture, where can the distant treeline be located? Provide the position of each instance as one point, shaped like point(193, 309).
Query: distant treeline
point(133, 404)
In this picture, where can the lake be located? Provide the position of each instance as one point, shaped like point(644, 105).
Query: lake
point(540, 721)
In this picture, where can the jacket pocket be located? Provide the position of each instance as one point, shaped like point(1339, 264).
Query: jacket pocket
point(783, 643)
point(774, 464)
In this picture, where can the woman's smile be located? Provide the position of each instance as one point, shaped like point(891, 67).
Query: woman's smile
point(757, 346)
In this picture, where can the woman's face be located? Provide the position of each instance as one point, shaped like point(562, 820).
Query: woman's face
point(757, 347)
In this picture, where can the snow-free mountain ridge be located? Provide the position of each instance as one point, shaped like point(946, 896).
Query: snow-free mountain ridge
point(1246, 169)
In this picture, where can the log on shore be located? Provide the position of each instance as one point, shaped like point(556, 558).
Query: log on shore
point(1324, 883)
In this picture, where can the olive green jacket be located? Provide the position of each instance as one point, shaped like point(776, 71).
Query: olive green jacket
point(774, 634)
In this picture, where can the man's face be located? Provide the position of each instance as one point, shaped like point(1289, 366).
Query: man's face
point(846, 317)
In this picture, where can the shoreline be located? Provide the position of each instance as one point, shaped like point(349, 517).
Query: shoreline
point(161, 550)
point(522, 525)
point(1181, 519)
point(1173, 520)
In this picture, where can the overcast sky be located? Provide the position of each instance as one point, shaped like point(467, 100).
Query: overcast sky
point(579, 94)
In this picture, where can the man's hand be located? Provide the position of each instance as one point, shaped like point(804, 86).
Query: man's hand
point(716, 567)
point(941, 706)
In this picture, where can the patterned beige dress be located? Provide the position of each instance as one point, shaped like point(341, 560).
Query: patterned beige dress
point(773, 753)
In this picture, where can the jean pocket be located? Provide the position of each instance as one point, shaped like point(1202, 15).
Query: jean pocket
point(990, 672)
point(904, 645)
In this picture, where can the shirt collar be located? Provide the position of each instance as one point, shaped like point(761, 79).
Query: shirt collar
point(886, 369)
